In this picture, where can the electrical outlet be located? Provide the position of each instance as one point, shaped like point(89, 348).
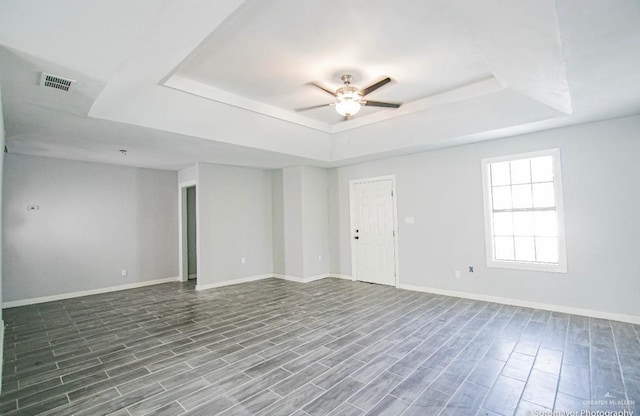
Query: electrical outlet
point(124, 273)
point(243, 260)
point(457, 274)
point(319, 257)
point(470, 269)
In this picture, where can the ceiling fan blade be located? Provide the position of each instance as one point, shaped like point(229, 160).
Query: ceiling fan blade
point(371, 88)
point(312, 107)
point(323, 88)
point(381, 104)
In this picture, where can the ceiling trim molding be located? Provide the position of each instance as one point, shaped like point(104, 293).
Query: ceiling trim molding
point(485, 86)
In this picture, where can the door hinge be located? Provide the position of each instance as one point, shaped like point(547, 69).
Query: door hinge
point(391, 192)
point(394, 233)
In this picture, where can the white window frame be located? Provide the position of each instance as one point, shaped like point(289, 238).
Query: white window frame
point(561, 266)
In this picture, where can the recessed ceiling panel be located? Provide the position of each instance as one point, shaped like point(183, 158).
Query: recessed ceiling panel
point(262, 57)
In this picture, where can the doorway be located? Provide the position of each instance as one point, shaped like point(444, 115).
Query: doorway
point(373, 230)
point(192, 259)
point(188, 232)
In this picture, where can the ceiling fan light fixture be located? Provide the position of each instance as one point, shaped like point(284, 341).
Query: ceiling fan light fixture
point(348, 101)
point(348, 107)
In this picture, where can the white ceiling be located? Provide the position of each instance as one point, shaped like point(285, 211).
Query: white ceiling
point(180, 81)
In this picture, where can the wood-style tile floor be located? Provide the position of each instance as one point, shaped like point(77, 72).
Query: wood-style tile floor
point(331, 347)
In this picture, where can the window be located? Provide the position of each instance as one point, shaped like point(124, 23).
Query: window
point(524, 220)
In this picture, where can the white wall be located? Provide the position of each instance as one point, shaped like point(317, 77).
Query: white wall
point(443, 190)
point(93, 220)
point(234, 221)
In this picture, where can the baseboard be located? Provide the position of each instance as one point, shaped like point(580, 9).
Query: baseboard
point(301, 279)
point(526, 304)
point(32, 301)
point(290, 278)
point(342, 276)
point(234, 281)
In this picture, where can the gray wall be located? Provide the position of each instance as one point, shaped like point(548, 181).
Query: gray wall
point(192, 266)
point(293, 231)
point(305, 221)
point(234, 217)
point(334, 205)
point(277, 221)
point(93, 221)
point(443, 191)
point(315, 221)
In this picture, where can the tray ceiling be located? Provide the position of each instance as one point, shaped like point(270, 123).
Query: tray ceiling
point(181, 81)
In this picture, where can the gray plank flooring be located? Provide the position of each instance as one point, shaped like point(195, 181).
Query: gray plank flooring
point(331, 347)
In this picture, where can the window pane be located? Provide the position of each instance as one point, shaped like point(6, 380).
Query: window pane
point(547, 249)
point(520, 171)
point(502, 223)
point(546, 224)
point(500, 174)
point(523, 223)
point(522, 196)
point(543, 195)
point(542, 169)
point(501, 197)
point(525, 249)
point(504, 248)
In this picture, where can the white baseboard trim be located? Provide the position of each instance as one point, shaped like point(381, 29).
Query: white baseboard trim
point(288, 277)
point(342, 276)
point(234, 281)
point(78, 294)
point(526, 304)
point(301, 279)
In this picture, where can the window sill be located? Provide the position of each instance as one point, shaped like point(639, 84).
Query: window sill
point(538, 267)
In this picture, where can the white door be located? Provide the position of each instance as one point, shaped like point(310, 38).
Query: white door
point(373, 234)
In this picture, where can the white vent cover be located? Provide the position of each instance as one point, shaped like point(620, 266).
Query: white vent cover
point(54, 81)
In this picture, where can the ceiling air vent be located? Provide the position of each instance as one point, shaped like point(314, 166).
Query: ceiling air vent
point(53, 81)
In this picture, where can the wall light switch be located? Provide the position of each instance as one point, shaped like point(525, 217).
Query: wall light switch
point(124, 272)
point(409, 220)
point(457, 274)
point(243, 260)
point(319, 257)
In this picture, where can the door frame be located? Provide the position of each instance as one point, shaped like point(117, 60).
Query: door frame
point(183, 255)
point(394, 205)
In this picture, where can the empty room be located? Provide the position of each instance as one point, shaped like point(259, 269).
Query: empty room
point(306, 208)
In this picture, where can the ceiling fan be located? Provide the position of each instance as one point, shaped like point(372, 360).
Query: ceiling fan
point(350, 99)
